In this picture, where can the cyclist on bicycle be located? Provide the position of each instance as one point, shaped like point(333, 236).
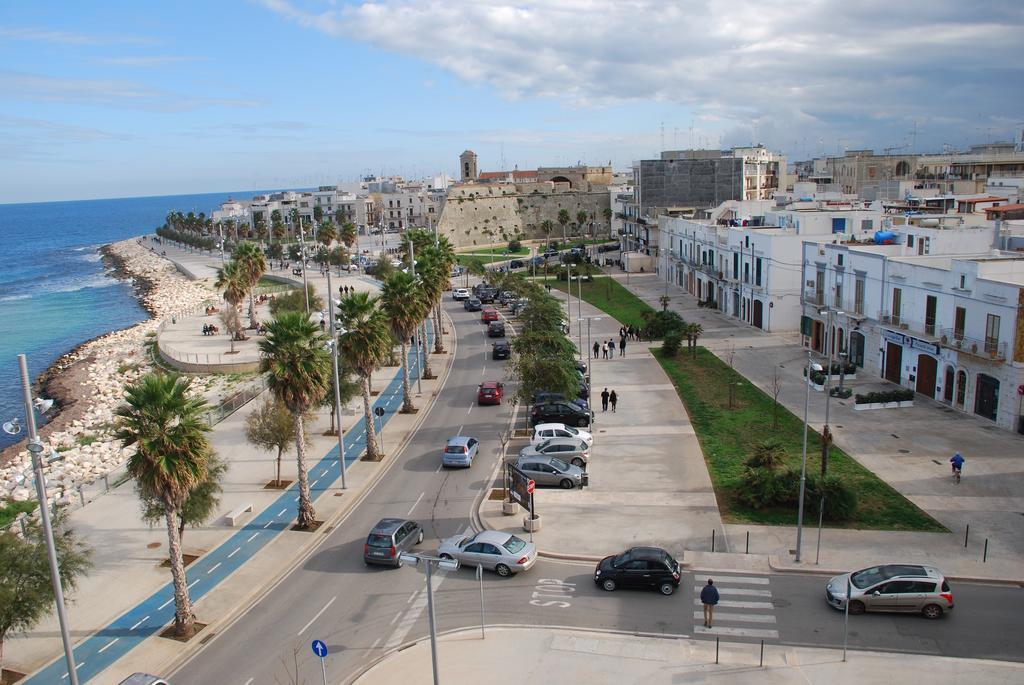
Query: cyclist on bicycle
point(958, 463)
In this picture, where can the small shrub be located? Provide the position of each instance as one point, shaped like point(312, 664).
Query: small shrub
point(880, 397)
point(672, 343)
point(759, 488)
point(767, 454)
point(840, 498)
point(295, 301)
point(662, 323)
point(514, 246)
point(841, 393)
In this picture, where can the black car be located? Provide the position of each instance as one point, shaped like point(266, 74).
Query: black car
point(516, 264)
point(496, 329)
point(501, 350)
point(640, 568)
point(487, 295)
point(472, 304)
point(542, 396)
point(389, 538)
point(568, 413)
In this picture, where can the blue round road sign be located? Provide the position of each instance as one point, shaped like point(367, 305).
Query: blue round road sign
point(319, 648)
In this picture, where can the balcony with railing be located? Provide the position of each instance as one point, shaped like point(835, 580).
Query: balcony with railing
point(983, 348)
point(923, 329)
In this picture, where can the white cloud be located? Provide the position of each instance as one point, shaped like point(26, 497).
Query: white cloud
point(37, 35)
point(819, 68)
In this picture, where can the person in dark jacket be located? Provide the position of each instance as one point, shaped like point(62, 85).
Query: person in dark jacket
point(709, 598)
point(604, 399)
point(613, 397)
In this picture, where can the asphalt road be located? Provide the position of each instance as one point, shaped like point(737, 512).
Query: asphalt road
point(361, 611)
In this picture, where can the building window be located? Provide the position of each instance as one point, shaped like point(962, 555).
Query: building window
point(910, 240)
point(858, 294)
point(897, 302)
point(838, 303)
point(959, 322)
point(839, 259)
point(963, 281)
point(819, 286)
point(991, 333)
point(757, 271)
point(867, 224)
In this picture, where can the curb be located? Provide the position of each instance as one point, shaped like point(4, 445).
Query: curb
point(774, 565)
point(215, 628)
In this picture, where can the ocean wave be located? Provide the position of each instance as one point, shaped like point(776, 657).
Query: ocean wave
point(11, 298)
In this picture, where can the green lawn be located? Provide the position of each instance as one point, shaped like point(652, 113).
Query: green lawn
point(727, 436)
point(608, 295)
point(465, 259)
point(496, 252)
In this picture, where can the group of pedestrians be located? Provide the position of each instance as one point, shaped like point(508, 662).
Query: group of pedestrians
point(345, 291)
point(606, 349)
point(607, 398)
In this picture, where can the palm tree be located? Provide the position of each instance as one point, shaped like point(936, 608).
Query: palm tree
point(261, 228)
point(547, 226)
point(252, 261)
point(563, 218)
point(435, 277)
point(446, 252)
point(172, 452)
point(607, 213)
point(233, 279)
point(348, 234)
point(364, 345)
point(581, 219)
point(404, 302)
point(277, 225)
point(327, 234)
point(298, 369)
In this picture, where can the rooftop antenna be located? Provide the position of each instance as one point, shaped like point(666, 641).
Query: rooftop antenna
point(663, 135)
point(691, 134)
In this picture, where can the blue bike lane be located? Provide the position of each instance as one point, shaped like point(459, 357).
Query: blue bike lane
point(152, 615)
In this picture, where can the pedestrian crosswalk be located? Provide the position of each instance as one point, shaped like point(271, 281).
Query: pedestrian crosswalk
point(745, 608)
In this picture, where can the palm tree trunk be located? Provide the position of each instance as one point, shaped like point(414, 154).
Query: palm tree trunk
point(184, 619)
point(438, 344)
point(372, 451)
point(306, 514)
point(407, 405)
point(279, 453)
point(253, 323)
point(427, 373)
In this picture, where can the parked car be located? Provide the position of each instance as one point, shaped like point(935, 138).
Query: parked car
point(641, 568)
point(143, 679)
point(389, 538)
point(489, 314)
point(543, 431)
point(542, 396)
point(496, 329)
point(487, 295)
point(505, 297)
point(572, 450)
point(537, 261)
point(560, 412)
point(501, 350)
point(516, 264)
point(545, 470)
point(460, 451)
point(910, 588)
point(503, 553)
point(490, 392)
point(460, 294)
point(472, 305)
point(517, 306)
point(549, 253)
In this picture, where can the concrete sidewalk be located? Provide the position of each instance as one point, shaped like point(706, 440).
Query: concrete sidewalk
point(908, 448)
point(511, 656)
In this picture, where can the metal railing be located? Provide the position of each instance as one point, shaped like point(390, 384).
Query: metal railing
point(191, 357)
point(985, 348)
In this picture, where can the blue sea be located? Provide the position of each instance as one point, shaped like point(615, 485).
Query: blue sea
point(54, 290)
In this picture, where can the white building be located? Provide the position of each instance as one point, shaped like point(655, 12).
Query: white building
point(934, 312)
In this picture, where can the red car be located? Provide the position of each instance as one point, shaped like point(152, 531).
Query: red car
point(489, 314)
point(490, 392)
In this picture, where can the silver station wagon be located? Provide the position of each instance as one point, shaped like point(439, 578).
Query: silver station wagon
point(909, 588)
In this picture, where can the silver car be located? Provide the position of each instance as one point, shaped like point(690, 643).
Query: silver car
point(573, 450)
point(502, 553)
point(545, 470)
point(910, 588)
point(543, 431)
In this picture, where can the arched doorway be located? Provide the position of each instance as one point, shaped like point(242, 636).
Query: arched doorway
point(927, 367)
point(561, 179)
point(961, 388)
point(758, 313)
point(986, 396)
point(857, 348)
point(902, 168)
point(947, 385)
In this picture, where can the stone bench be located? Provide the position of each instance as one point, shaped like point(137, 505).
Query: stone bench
point(233, 516)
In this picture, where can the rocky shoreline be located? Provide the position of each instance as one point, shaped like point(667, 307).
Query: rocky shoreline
point(88, 382)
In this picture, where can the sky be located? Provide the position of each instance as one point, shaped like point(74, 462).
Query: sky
point(117, 99)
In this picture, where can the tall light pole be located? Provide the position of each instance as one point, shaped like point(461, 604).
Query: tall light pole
point(419, 347)
point(428, 563)
point(826, 432)
point(337, 382)
point(590, 363)
point(803, 464)
point(302, 256)
point(35, 448)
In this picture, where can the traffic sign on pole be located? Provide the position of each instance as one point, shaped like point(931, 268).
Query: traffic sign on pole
point(379, 411)
point(320, 649)
point(530, 485)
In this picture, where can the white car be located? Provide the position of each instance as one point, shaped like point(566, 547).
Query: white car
point(543, 431)
point(460, 294)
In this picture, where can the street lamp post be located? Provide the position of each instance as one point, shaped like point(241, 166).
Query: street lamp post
point(419, 346)
point(826, 432)
point(35, 448)
point(337, 384)
point(302, 256)
point(803, 464)
point(590, 363)
point(428, 563)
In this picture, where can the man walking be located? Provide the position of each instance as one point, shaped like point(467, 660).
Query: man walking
point(622, 346)
point(709, 598)
point(611, 348)
point(604, 399)
point(597, 349)
point(614, 399)
point(604, 350)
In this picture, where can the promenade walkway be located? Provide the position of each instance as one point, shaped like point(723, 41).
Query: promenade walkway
point(127, 597)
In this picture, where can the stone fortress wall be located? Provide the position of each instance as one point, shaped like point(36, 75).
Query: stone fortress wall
point(478, 214)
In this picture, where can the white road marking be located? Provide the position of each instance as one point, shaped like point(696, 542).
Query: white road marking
point(104, 647)
point(318, 615)
point(215, 567)
point(77, 666)
point(460, 430)
point(282, 511)
point(233, 553)
point(730, 591)
point(740, 618)
point(742, 580)
point(193, 583)
point(314, 482)
point(415, 503)
point(267, 524)
point(395, 619)
point(439, 467)
point(165, 604)
point(411, 597)
point(249, 681)
point(139, 623)
point(251, 537)
point(470, 410)
point(739, 605)
point(737, 632)
point(373, 646)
